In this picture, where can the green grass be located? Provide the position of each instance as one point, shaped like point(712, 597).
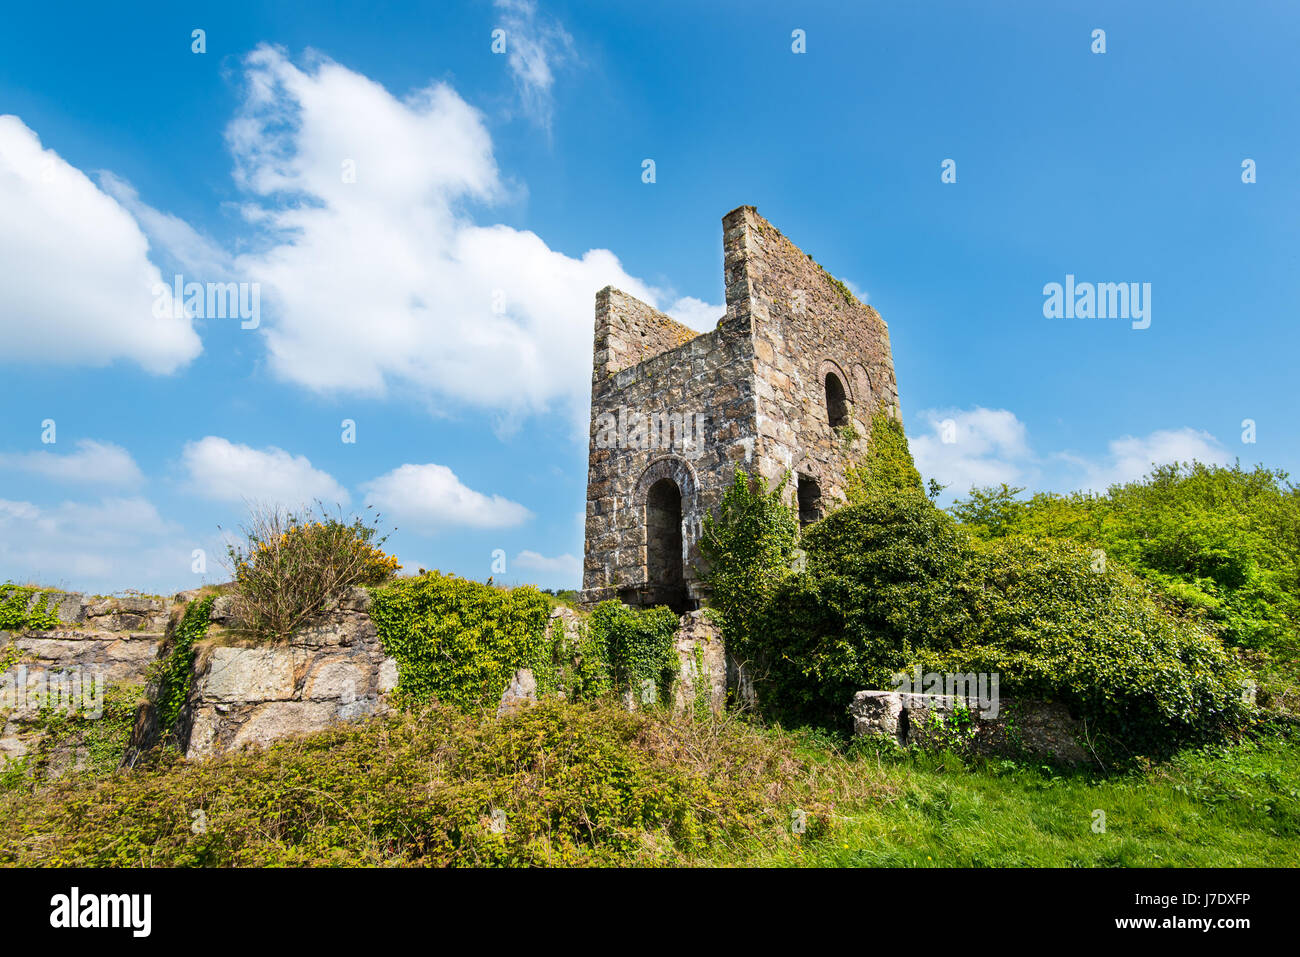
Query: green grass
point(1234, 806)
point(582, 785)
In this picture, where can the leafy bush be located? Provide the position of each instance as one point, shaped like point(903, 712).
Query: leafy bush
point(637, 646)
point(883, 580)
point(747, 547)
point(458, 641)
point(294, 564)
point(1219, 543)
point(893, 582)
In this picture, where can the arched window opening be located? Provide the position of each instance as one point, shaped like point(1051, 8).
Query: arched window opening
point(837, 401)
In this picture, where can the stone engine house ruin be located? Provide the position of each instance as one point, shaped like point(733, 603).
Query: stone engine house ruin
point(786, 384)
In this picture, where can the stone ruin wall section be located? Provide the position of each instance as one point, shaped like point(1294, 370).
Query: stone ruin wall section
point(709, 374)
point(804, 326)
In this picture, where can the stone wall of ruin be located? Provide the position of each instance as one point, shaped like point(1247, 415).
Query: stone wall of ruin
point(805, 325)
point(758, 380)
point(709, 375)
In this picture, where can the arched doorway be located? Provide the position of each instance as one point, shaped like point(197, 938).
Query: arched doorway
point(665, 579)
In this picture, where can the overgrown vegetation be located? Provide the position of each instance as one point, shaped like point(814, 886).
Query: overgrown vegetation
point(556, 784)
point(459, 642)
point(1221, 545)
point(572, 784)
point(85, 742)
point(638, 648)
point(748, 548)
point(26, 608)
point(892, 582)
point(171, 677)
point(293, 564)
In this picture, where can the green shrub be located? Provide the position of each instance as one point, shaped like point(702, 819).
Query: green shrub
point(294, 564)
point(883, 580)
point(458, 641)
point(638, 647)
point(892, 582)
point(895, 583)
point(1219, 543)
point(747, 547)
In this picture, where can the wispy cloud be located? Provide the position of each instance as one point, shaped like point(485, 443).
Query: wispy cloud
point(561, 566)
point(535, 48)
point(93, 462)
point(962, 448)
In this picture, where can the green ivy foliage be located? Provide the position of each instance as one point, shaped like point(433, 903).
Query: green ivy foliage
point(638, 646)
point(174, 674)
point(19, 612)
point(887, 466)
point(458, 641)
point(748, 546)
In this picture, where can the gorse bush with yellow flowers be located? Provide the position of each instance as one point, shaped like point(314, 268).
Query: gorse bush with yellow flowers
point(294, 565)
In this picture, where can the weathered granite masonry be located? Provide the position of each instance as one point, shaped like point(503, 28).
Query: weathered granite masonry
point(98, 642)
point(786, 384)
point(1040, 728)
point(331, 671)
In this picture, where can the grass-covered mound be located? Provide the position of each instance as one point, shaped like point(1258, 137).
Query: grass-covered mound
point(559, 784)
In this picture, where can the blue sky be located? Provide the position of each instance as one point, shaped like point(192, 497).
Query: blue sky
point(442, 299)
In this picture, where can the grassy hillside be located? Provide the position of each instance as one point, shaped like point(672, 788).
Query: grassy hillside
point(594, 785)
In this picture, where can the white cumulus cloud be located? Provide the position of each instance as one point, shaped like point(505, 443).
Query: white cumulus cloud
point(373, 273)
point(222, 470)
point(962, 448)
point(1129, 458)
point(972, 447)
point(76, 282)
point(430, 497)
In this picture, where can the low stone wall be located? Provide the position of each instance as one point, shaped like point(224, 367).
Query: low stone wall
point(1041, 728)
point(335, 670)
point(332, 671)
point(99, 642)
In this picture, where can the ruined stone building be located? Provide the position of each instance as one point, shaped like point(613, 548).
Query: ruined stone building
point(786, 384)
